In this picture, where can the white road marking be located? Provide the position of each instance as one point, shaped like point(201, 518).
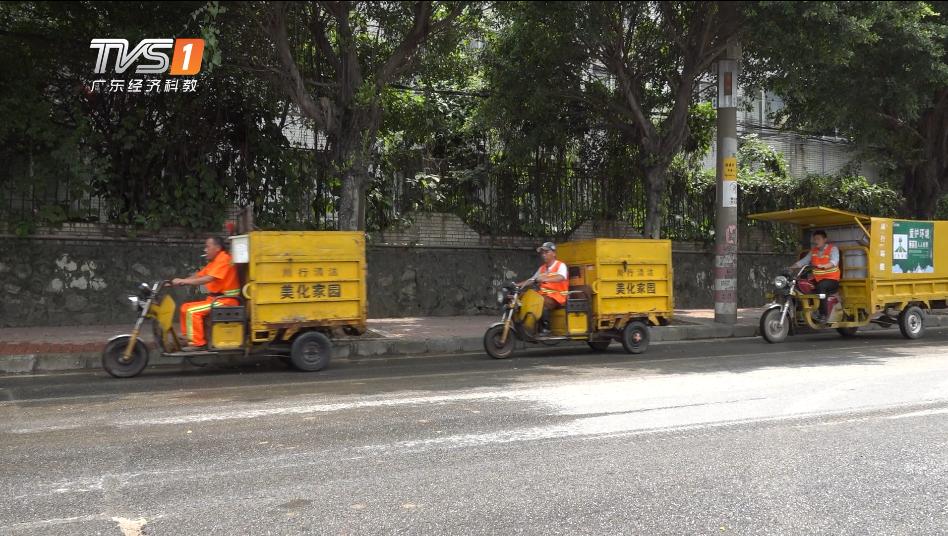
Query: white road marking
point(130, 527)
point(924, 413)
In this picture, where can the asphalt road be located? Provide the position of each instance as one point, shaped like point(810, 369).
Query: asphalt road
point(818, 435)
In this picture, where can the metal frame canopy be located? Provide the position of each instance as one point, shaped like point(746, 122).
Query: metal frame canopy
point(810, 217)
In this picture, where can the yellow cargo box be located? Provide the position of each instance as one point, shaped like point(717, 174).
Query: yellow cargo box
point(625, 278)
point(304, 279)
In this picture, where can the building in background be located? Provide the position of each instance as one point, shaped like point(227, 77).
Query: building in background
point(805, 154)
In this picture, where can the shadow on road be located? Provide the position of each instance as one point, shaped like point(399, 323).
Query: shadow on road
point(381, 375)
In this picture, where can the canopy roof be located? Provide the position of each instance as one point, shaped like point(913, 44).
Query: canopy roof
point(813, 217)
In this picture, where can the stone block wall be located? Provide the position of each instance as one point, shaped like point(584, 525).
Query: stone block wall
point(81, 274)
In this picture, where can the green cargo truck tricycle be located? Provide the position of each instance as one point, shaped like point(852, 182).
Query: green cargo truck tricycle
point(892, 272)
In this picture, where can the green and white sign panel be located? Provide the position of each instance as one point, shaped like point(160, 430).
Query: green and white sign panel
point(912, 243)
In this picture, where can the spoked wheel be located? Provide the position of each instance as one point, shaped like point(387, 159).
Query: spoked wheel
point(635, 337)
point(912, 323)
point(113, 353)
point(770, 328)
point(599, 346)
point(311, 351)
point(494, 347)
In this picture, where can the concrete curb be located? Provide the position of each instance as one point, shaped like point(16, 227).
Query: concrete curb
point(357, 350)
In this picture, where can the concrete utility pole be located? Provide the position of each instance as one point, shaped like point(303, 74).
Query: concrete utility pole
point(725, 221)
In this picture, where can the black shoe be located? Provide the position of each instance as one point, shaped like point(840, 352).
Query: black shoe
point(817, 318)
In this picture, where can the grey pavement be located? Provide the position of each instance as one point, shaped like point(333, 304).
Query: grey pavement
point(821, 435)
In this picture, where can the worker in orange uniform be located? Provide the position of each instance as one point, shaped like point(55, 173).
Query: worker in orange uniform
point(223, 286)
point(553, 277)
point(824, 258)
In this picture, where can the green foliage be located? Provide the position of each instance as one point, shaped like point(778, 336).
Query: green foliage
point(875, 72)
point(765, 185)
point(754, 156)
point(507, 119)
point(175, 159)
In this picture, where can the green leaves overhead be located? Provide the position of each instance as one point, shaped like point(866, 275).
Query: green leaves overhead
point(872, 71)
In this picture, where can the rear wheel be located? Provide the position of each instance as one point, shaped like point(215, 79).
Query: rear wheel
point(114, 351)
point(848, 332)
point(770, 328)
point(311, 351)
point(493, 346)
point(912, 323)
point(635, 337)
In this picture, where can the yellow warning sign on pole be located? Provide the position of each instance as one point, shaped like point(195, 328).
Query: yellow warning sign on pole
point(730, 168)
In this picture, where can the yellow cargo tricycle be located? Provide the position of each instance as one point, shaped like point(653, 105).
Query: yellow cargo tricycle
point(892, 272)
point(298, 287)
point(617, 289)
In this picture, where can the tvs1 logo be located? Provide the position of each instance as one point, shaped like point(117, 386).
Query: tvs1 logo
point(149, 55)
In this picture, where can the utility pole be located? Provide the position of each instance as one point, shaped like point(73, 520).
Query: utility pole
point(725, 219)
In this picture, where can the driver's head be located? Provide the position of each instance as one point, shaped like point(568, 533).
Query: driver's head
point(547, 252)
point(818, 238)
point(212, 246)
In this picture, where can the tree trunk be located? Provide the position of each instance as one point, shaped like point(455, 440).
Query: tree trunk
point(922, 191)
point(925, 181)
point(654, 190)
point(352, 198)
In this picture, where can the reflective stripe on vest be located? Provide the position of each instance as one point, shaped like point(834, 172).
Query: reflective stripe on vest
point(824, 257)
point(557, 290)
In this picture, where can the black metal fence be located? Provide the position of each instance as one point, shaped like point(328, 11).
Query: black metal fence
point(542, 200)
point(547, 198)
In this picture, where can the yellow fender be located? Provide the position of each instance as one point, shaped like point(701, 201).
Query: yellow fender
point(163, 313)
point(531, 303)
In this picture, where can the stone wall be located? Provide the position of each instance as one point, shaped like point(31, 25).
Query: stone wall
point(78, 277)
point(57, 281)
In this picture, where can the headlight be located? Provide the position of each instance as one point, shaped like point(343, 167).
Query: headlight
point(133, 300)
point(781, 282)
point(500, 297)
point(144, 292)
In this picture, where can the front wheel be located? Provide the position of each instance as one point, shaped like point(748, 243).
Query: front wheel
point(770, 327)
point(492, 343)
point(912, 323)
point(635, 337)
point(114, 351)
point(311, 351)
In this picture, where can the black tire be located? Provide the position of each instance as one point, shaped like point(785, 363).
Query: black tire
point(112, 357)
point(848, 332)
point(912, 322)
point(770, 328)
point(311, 351)
point(492, 344)
point(635, 337)
point(599, 346)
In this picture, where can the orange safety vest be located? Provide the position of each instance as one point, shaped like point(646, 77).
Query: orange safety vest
point(823, 257)
point(557, 290)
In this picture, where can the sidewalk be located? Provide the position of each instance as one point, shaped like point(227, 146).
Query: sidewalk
point(37, 349)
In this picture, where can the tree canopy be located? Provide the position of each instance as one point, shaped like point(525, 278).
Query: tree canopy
point(521, 117)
